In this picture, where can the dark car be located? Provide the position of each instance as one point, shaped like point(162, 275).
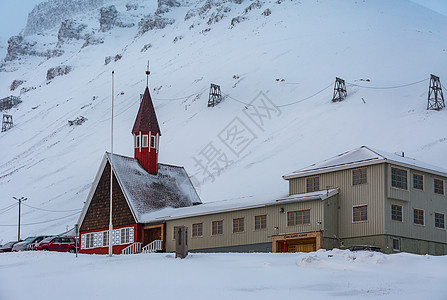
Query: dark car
point(365, 248)
point(58, 243)
point(7, 247)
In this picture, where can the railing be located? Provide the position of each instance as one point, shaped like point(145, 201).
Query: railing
point(153, 246)
point(132, 248)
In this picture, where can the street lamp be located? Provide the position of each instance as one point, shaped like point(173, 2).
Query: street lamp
point(20, 202)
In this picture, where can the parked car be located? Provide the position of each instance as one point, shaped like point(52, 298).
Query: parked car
point(24, 245)
point(365, 248)
point(58, 243)
point(7, 247)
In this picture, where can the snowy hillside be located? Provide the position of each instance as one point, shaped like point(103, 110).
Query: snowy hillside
point(288, 50)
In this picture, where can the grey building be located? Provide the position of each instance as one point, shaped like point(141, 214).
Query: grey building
point(363, 196)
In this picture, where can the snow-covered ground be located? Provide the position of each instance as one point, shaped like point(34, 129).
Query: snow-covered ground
point(289, 55)
point(333, 274)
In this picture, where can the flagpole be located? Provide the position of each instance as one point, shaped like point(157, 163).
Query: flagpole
point(111, 173)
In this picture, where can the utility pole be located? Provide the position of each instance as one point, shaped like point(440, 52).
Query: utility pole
point(20, 202)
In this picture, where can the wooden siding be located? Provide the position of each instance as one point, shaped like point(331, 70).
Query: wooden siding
point(412, 198)
point(371, 193)
point(276, 224)
point(97, 216)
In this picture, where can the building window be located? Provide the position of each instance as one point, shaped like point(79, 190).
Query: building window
point(260, 222)
point(137, 141)
point(418, 217)
point(360, 213)
point(439, 220)
point(238, 225)
point(418, 182)
point(313, 184)
point(399, 178)
point(197, 229)
point(124, 235)
point(145, 141)
point(300, 217)
point(105, 238)
point(152, 141)
point(359, 176)
point(89, 240)
point(439, 186)
point(396, 244)
point(396, 212)
point(217, 227)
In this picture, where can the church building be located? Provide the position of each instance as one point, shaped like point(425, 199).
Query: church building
point(140, 185)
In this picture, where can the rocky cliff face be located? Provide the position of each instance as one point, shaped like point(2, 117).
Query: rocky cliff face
point(50, 14)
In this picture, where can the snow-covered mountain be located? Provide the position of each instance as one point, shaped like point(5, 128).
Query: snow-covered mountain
point(276, 62)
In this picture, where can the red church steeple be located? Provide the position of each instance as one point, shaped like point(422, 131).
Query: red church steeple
point(146, 133)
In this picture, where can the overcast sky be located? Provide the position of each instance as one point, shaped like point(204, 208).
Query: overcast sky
point(13, 14)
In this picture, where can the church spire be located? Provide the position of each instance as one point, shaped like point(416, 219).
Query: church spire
point(146, 132)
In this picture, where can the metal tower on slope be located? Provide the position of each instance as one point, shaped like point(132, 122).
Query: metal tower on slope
point(339, 90)
point(435, 96)
point(215, 96)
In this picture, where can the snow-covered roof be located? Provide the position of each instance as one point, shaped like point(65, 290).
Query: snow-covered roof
point(145, 192)
point(364, 156)
point(231, 205)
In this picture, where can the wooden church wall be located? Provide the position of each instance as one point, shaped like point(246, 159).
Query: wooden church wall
point(97, 216)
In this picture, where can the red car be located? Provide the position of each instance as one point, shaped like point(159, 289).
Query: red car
point(58, 243)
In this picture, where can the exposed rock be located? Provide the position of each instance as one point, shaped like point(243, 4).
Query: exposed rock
point(78, 121)
point(236, 20)
point(177, 38)
point(51, 13)
point(256, 4)
point(131, 6)
point(108, 18)
point(26, 89)
point(215, 17)
point(151, 22)
point(15, 84)
point(107, 60)
point(191, 13)
point(146, 47)
point(90, 40)
point(168, 3)
point(70, 30)
point(18, 46)
point(58, 71)
point(267, 12)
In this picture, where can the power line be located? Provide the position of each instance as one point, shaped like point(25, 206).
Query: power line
point(180, 98)
point(387, 87)
point(10, 207)
point(302, 100)
point(49, 210)
point(48, 221)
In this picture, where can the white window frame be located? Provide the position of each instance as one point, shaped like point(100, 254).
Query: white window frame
point(145, 141)
point(89, 238)
point(106, 238)
point(125, 235)
point(154, 139)
point(137, 141)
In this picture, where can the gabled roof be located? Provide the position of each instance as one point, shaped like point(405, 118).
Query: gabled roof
point(146, 118)
point(233, 204)
point(145, 192)
point(364, 156)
